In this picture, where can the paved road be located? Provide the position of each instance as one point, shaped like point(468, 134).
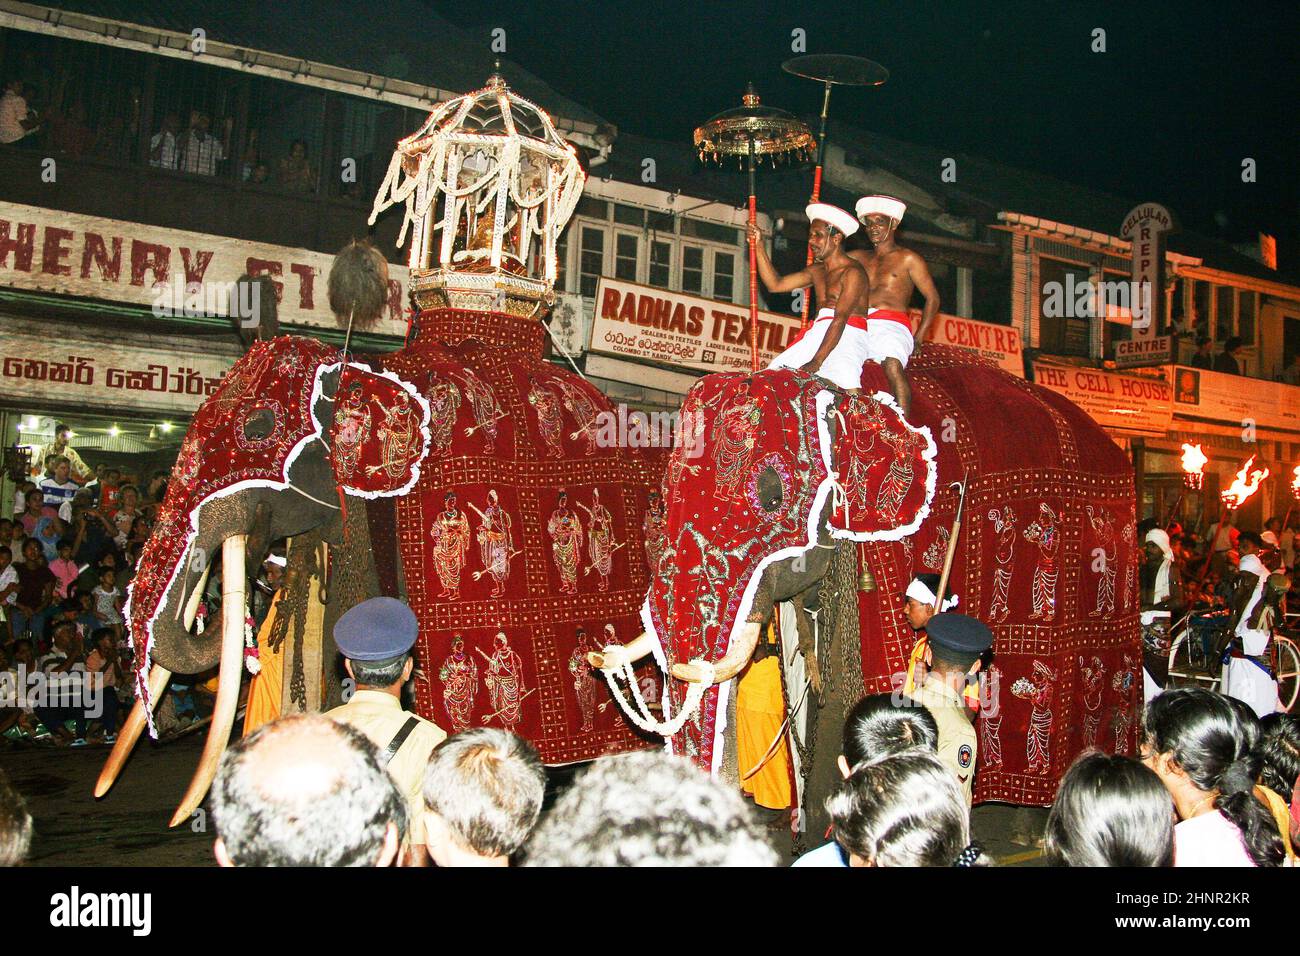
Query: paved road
point(129, 826)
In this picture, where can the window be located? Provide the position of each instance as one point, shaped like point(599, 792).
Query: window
point(711, 231)
point(366, 132)
point(592, 208)
point(591, 264)
point(629, 215)
point(1063, 327)
point(627, 248)
point(1246, 317)
point(1201, 309)
point(1224, 302)
point(661, 258)
point(693, 269)
point(562, 262)
point(724, 275)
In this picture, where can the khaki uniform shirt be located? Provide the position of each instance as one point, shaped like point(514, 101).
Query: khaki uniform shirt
point(379, 716)
point(956, 732)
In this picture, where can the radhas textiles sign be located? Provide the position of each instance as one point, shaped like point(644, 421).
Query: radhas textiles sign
point(643, 322)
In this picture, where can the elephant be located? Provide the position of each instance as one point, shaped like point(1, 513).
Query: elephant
point(460, 473)
point(809, 487)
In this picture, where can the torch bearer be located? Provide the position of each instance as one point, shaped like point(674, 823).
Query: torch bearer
point(831, 69)
point(1238, 493)
point(753, 131)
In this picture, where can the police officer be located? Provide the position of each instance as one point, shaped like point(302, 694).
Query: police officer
point(955, 645)
point(375, 639)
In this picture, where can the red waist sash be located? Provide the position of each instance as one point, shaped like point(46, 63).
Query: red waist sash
point(892, 315)
point(855, 321)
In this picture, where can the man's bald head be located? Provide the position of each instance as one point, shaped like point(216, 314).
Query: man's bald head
point(305, 791)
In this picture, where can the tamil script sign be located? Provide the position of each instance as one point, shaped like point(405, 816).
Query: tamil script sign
point(47, 250)
point(1114, 401)
point(1217, 396)
point(160, 377)
point(1155, 350)
point(643, 322)
point(1000, 344)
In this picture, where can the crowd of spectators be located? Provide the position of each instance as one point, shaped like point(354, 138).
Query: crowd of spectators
point(67, 555)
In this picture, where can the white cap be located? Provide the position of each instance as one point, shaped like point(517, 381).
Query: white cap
point(885, 205)
point(275, 559)
point(834, 215)
point(918, 591)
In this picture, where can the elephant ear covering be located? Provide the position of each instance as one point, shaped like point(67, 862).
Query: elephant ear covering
point(743, 488)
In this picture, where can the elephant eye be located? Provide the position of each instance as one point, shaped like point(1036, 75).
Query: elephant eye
point(770, 489)
point(259, 424)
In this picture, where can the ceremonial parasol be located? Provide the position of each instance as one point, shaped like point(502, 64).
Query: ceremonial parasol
point(753, 131)
point(832, 69)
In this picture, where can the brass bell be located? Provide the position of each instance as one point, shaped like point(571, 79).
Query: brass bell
point(866, 580)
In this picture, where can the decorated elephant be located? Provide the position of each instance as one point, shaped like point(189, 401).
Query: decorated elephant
point(795, 490)
point(460, 473)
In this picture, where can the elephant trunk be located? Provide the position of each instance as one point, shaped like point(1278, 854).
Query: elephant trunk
point(233, 612)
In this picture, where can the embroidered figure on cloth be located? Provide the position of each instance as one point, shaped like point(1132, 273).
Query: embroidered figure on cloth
point(399, 436)
point(654, 528)
point(444, 404)
point(991, 723)
point(898, 479)
point(487, 411)
point(735, 435)
point(1004, 523)
point(865, 419)
point(459, 676)
point(1043, 532)
point(600, 545)
point(504, 678)
point(1123, 683)
point(1094, 686)
point(565, 528)
point(1104, 526)
point(236, 387)
point(450, 535)
point(1130, 568)
point(1039, 692)
point(495, 543)
point(690, 447)
point(933, 556)
point(584, 680)
point(585, 412)
point(352, 424)
point(188, 460)
point(549, 421)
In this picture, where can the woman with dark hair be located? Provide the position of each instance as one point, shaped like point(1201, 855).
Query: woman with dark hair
point(1202, 751)
point(1279, 748)
point(877, 726)
point(1110, 810)
point(904, 809)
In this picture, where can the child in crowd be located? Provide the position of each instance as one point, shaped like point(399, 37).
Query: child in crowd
point(108, 600)
point(1110, 810)
point(8, 591)
point(903, 809)
point(65, 570)
point(104, 663)
point(876, 727)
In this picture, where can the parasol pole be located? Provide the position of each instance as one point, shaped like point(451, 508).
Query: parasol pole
point(817, 183)
point(753, 264)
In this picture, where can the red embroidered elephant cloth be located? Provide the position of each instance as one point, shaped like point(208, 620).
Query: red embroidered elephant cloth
point(1046, 558)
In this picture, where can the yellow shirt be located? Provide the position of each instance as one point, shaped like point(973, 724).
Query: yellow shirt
point(379, 716)
point(956, 733)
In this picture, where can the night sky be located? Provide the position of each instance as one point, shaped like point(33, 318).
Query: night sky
point(1182, 94)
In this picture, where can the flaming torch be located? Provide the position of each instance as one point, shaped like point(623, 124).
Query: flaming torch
point(1193, 466)
point(1295, 483)
point(1242, 487)
point(1194, 461)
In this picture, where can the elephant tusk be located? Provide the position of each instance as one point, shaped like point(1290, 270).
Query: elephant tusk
point(233, 611)
point(615, 656)
point(192, 605)
point(130, 733)
point(732, 662)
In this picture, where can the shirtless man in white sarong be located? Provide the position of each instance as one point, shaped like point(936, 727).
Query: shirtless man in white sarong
point(835, 345)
